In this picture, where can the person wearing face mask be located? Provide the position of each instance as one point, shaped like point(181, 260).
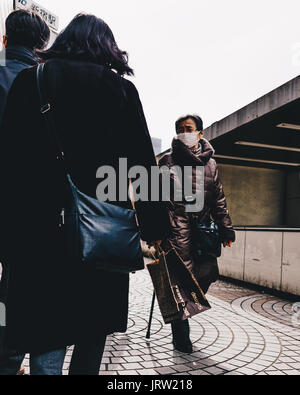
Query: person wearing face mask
point(190, 148)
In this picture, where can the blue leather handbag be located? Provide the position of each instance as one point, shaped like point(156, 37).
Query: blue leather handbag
point(207, 239)
point(95, 233)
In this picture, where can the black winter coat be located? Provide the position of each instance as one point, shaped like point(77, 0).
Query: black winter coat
point(16, 59)
point(99, 119)
point(205, 269)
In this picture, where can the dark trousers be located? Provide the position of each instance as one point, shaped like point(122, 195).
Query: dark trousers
point(87, 357)
point(181, 332)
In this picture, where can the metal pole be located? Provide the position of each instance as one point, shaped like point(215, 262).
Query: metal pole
point(150, 318)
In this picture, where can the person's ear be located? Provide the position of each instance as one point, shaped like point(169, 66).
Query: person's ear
point(4, 41)
point(201, 134)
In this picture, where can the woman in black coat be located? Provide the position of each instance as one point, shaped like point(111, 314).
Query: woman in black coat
point(99, 119)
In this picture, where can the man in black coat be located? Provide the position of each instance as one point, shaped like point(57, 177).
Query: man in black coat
point(25, 32)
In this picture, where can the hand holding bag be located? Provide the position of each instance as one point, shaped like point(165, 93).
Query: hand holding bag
point(95, 233)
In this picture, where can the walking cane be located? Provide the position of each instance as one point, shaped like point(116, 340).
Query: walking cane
point(150, 318)
point(152, 305)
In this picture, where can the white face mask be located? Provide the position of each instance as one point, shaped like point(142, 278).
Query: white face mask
point(189, 139)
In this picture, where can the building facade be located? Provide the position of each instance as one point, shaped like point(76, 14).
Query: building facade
point(157, 144)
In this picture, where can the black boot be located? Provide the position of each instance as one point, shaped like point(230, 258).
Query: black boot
point(181, 336)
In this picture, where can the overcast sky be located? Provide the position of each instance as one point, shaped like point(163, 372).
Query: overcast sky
point(210, 57)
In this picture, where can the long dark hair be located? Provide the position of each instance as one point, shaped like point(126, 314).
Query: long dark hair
point(89, 38)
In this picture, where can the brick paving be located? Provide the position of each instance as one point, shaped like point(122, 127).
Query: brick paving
point(245, 333)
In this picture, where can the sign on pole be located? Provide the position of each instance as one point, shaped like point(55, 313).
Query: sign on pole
point(51, 19)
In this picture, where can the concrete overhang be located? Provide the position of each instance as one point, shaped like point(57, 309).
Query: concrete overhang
point(265, 133)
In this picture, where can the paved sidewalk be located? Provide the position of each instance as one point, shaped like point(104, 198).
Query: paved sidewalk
point(245, 333)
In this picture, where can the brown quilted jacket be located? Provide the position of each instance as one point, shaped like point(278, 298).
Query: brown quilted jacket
point(215, 207)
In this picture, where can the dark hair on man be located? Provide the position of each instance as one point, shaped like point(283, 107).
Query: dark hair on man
point(27, 29)
point(89, 38)
point(198, 121)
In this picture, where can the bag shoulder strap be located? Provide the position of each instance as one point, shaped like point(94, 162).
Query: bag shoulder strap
point(47, 115)
point(49, 120)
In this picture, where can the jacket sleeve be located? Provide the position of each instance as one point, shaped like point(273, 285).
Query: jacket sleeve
point(152, 216)
point(9, 124)
point(220, 212)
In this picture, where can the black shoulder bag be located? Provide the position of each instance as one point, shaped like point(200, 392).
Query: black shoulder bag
point(207, 239)
point(96, 233)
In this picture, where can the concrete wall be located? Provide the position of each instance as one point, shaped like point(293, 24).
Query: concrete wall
point(293, 199)
point(255, 196)
point(269, 259)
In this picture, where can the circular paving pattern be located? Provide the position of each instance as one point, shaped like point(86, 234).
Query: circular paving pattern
point(244, 333)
